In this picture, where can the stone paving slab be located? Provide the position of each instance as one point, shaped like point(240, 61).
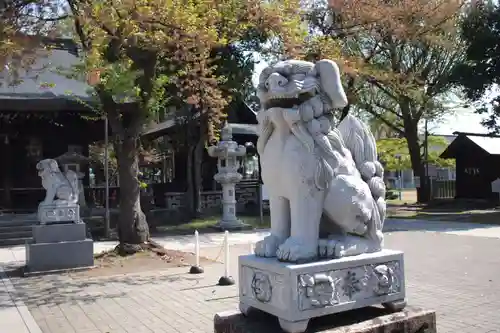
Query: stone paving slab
point(14, 315)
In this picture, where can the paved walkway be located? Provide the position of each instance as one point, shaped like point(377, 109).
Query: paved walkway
point(457, 276)
point(186, 242)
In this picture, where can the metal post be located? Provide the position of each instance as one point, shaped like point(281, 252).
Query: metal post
point(399, 173)
point(400, 178)
point(106, 175)
point(427, 180)
point(261, 204)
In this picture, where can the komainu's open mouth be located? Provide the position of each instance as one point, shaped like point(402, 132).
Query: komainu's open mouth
point(287, 102)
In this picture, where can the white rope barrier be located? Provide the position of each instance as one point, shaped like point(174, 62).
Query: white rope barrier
point(196, 269)
point(226, 280)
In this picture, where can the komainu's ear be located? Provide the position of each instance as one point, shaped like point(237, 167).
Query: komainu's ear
point(329, 78)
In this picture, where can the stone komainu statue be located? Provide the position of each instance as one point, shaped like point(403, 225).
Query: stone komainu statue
point(316, 175)
point(62, 189)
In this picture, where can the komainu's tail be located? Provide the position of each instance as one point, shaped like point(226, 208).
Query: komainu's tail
point(359, 140)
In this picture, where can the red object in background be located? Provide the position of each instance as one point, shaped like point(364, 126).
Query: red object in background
point(334, 3)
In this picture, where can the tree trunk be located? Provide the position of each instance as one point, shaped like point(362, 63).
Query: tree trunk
point(133, 228)
point(417, 164)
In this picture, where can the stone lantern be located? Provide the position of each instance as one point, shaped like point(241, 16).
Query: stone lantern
point(228, 153)
point(74, 161)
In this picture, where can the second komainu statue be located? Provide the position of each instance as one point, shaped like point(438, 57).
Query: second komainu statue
point(324, 181)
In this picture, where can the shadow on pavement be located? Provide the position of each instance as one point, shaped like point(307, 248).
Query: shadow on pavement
point(57, 289)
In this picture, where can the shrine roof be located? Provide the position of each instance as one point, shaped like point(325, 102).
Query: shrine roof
point(489, 144)
point(44, 86)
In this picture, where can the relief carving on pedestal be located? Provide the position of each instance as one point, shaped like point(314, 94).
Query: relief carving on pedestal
point(262, 289)
point(347, 285)
point(387, 277)
point(353, 283)
point(318, 290)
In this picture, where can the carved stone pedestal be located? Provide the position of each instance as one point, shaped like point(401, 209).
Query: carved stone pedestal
point(58, 213)
point(295, 293)
point(59, 247)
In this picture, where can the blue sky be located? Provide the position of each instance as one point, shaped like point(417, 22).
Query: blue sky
point(464, 120)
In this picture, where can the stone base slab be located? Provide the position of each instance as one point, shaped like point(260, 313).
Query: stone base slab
point(365, 320)
point(41, 257)
point(53, 233)
point(295, 293)
point(232, 225)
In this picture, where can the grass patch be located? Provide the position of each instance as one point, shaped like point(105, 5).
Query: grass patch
point(208, 225)
point(407, 208)
point(408, 197)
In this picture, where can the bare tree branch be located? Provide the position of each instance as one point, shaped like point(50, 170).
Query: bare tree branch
point(390, 124)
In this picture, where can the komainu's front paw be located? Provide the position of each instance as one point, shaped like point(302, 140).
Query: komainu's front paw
point(294, 250)
point(338, 246)
point(331, 248)
point(268, 246)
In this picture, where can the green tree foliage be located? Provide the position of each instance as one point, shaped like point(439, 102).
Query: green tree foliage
point(480, 73)
point(137, 48)
point(394, 154)
point(398, 57)
point(142, 46)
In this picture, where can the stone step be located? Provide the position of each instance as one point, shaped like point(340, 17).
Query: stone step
point(11, 228)
point(15, 230)
point(17, 223)
point(15, 241)
point(13, 234)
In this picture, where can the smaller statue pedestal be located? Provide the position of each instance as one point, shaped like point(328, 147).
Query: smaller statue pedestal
point(59, 246)
point(232, 225)
point(295, 293)
point(58, 213)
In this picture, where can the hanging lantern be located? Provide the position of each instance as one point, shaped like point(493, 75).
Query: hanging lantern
point(94, 77)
